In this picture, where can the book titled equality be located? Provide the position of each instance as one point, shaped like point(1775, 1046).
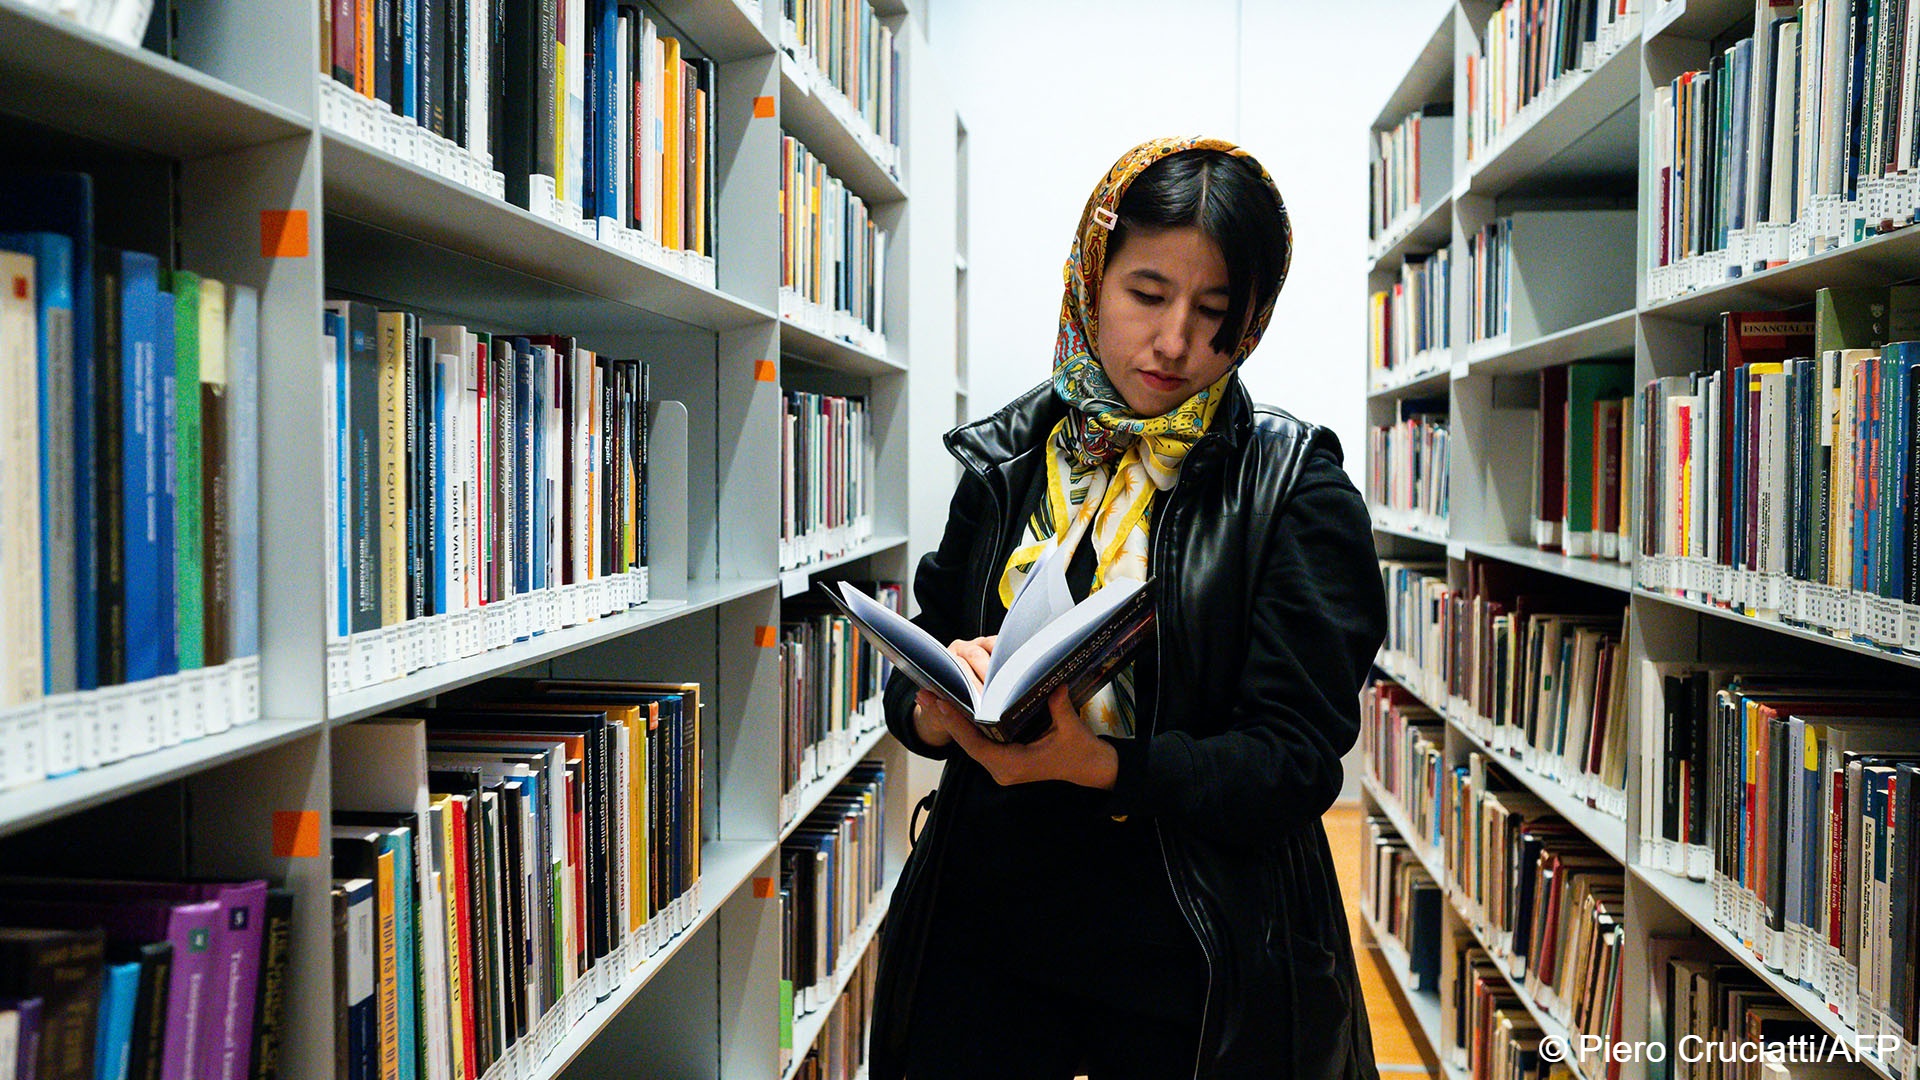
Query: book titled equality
point(1046, 641)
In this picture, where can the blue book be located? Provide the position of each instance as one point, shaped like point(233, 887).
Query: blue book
point(335, 325)
point(446, 398)
point(410, 59)
point(165, 324)
point(62, 203)
point(1898, 359)
point(604, 22)
point(52, 255)
point(114, 1037)
point(243, 469)
point(142, 464)
point(399, 842)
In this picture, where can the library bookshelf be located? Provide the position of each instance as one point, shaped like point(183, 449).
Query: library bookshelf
point(225, 120)
point(1585, 144)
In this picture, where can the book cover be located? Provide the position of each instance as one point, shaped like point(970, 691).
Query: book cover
point(55, 375)
point(61, 204)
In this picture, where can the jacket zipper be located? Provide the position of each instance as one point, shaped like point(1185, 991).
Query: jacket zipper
point(1180, 898)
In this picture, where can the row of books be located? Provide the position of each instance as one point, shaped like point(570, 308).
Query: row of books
point(552, 844)
point(833, 870)
point(1581, 498)
point(831, 678)
point(473, 469)
point(593, 116)
point(1537, 673)
point(1792, 795)
point(1408, 164)
point(154, 980)
point(1546, 903)
point(1793, 140)
point(826, 460)
point(1491, 1033)
point(1409, 325)
point(844, 46)
point(1529, 52)
point(1403, 901)
point(1490, 280)
point(839, 1052)
point(129, 492)
point(833, 255)
point(1407, 464)
point(1404, 746)
point(1711, 1010)
point(1779, 480)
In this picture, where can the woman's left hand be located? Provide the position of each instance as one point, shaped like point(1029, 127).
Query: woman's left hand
point(1068, 751)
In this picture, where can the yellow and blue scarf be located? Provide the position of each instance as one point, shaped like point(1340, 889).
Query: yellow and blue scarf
point(1104, 462)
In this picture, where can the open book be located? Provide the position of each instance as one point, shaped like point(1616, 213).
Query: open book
point(1046, 641)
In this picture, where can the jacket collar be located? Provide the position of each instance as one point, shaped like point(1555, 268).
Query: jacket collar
point(1026, 421)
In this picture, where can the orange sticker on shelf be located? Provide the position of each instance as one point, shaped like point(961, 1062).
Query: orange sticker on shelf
point(296, 834)
point(765, 371)
point(763, 888)
point(283, 234)
point(766, 636)
point(763, 108)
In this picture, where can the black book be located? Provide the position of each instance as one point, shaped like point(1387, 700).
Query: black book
point(146, 1049)
point(1046, 642)
point(525, 76)
point(417, 393)
point(430, 65)
point(270, 1005)
point(385, 27)
point(63, 968)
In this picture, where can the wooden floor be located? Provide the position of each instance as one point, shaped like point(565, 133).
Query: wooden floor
point(1400, 1053)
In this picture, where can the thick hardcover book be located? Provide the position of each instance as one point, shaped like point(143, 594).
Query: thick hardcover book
point(189, 570)
point(243, 471)
point(62, 968)
point(216, 565)
point(270, 1004)
point(52, 377)
point(392, 533)
point(146, 539)
point(1046, 642)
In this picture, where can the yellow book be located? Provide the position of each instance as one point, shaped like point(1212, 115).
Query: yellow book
point(393, 472)
point(363, 46)
point(672, 170)
point(388, 956)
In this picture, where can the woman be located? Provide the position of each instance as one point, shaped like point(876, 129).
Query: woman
point(1146, 890)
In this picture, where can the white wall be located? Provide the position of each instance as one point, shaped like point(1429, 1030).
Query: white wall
point(1053, 91)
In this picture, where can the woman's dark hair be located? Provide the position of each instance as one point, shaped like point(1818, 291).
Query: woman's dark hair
point(1227, 198)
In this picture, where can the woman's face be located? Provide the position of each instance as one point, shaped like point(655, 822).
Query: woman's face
point(1161, 301)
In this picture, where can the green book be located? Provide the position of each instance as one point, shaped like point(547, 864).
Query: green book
point(1588, 384)
point(1850, 318)
point(188, 562)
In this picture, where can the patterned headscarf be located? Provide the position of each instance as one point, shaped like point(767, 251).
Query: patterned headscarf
point(1105, 462)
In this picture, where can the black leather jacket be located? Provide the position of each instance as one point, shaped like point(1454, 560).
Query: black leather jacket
point(1270, 610)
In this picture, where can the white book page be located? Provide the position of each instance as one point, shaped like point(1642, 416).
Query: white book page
point(916, 645)
point(1047, 648)
point(1044, 596)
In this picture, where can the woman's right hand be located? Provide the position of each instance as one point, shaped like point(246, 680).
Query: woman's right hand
point(933, 715)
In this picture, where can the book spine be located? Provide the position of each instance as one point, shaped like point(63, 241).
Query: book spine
point(188, 568)
point(414, 397)
point(270, 1003)
point(365, 468)
point(216, 529)
point(108, 487)
point(243, 470)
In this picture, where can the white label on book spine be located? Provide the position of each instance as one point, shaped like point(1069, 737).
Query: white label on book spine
point(60, 719)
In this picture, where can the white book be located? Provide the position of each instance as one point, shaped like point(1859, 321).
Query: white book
point(1770, 554)
point(623, 123)
point(1698, 522)
point(586, 413)
point(554, 463)
point(330, 505)
point(243, 468)
point(479, 86)
point(575, 74)
point(1781, 199)
point(1046, 640)
point(21, 669)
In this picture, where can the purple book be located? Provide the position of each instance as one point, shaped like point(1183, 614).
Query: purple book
point(188, 926)
point(29, 1057)
point(225, 1050)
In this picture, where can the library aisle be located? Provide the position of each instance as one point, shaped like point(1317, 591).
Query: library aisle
point(1395, 1049)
